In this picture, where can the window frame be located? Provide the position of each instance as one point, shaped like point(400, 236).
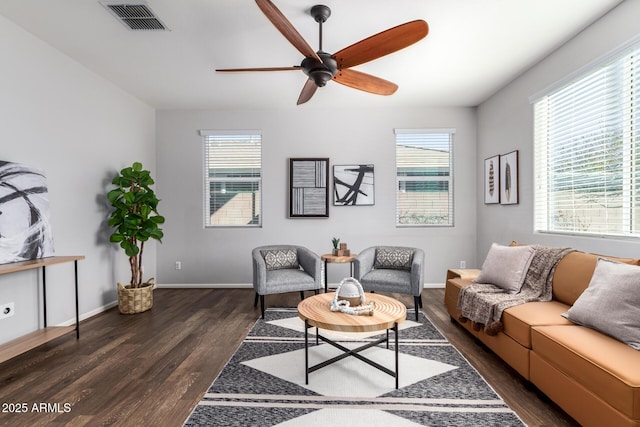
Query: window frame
point(208, 136)
point(449, 178)
point(623, 61)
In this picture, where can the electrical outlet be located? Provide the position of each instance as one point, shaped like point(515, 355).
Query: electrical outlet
point(178, 265)
point(7, 310)
point(463, 264)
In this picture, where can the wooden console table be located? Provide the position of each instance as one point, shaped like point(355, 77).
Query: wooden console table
point(41, 336)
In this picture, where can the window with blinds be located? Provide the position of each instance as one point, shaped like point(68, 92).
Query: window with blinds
point(424, 175)
point(587, 150)
point(232, 178)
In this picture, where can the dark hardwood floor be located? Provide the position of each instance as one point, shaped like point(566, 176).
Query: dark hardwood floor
point(152, 368)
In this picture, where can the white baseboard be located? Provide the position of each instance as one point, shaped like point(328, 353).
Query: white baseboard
point(205, 285)
point(434, 285)
point(89, 314)
point(248, 285)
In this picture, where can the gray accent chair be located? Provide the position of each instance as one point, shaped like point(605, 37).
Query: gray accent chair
point(268, 279)
point(405, 279)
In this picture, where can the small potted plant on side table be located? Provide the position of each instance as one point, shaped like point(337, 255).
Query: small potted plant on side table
point(336, 242)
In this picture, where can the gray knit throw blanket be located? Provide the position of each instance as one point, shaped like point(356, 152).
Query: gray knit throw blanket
point(483, 303)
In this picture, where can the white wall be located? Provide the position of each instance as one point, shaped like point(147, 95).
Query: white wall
point(223, 256)
point(79, 129)
point(505, 123)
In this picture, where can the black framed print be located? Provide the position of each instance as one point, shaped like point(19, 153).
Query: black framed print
point(353, 185)
point(492, 180)
point(509, 178)
point(308, 187)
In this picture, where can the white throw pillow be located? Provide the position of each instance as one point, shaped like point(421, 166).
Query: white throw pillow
point(506, 266)
point(611, 303)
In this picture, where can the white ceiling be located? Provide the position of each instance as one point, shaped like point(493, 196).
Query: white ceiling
point(474, 47)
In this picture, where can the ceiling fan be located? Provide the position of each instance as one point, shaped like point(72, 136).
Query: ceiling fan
point(321, 66)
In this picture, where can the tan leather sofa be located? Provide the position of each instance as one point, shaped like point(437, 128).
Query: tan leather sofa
point(591, 376)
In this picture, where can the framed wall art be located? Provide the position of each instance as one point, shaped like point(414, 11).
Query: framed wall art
point(309, 187)
point(509, 178)
point(492, 180)
point(353, 185)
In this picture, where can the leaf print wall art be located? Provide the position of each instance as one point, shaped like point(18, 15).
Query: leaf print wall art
point(492, 180)
point(509, 178)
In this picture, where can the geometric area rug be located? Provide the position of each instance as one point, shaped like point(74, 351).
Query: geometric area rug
point(263, 384)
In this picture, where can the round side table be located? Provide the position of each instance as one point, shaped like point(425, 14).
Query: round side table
point(328, 258)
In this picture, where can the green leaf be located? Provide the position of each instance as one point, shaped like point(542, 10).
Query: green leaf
point(114, 195)
point(116, 237)
point(158, 219)
point(129, 248)
point(157, 234)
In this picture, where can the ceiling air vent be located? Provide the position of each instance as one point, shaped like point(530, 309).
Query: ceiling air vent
point(135, 15)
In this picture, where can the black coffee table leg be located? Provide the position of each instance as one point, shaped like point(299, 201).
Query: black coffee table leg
point(306, 352)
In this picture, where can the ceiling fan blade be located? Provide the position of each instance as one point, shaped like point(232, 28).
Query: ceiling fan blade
point(382, 44)
point(308, 90)
point(234, 70)
point(365, 82)
point(286, 28)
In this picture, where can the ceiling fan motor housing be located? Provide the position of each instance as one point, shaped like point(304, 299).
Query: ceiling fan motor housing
point(320, 72)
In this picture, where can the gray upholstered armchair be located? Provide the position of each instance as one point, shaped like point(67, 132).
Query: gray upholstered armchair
point(392, 269)
point(284, 268)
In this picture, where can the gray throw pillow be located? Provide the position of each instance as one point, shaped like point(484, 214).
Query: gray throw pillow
point(278, 259)
point(394, 258)
point(506, 267)
point(611, 303)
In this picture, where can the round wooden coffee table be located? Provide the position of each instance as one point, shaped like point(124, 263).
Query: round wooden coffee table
point(315, 311)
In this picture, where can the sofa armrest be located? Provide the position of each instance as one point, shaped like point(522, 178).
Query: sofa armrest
point(364, 262)
point(463, 273)
point(417, 272)
point(310, 263)
point(259, 270)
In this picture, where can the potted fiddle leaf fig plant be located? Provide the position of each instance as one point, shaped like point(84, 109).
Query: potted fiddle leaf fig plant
point(135, 220)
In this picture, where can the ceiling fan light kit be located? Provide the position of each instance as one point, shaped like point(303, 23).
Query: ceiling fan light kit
point(320, 66)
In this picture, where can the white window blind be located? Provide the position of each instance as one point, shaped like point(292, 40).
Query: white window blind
point(424, 174)
point(232, 178)
point(587, 151)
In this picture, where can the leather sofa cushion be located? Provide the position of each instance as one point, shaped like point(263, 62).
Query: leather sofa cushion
point(518, 320)
point(600, 363)
point(573, 274)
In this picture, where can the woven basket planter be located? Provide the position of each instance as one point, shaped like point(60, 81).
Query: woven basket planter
point(135, 300)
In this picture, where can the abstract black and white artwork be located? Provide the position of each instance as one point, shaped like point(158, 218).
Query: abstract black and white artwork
point(309, 187)
point(25, 229)
point(353, 185)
